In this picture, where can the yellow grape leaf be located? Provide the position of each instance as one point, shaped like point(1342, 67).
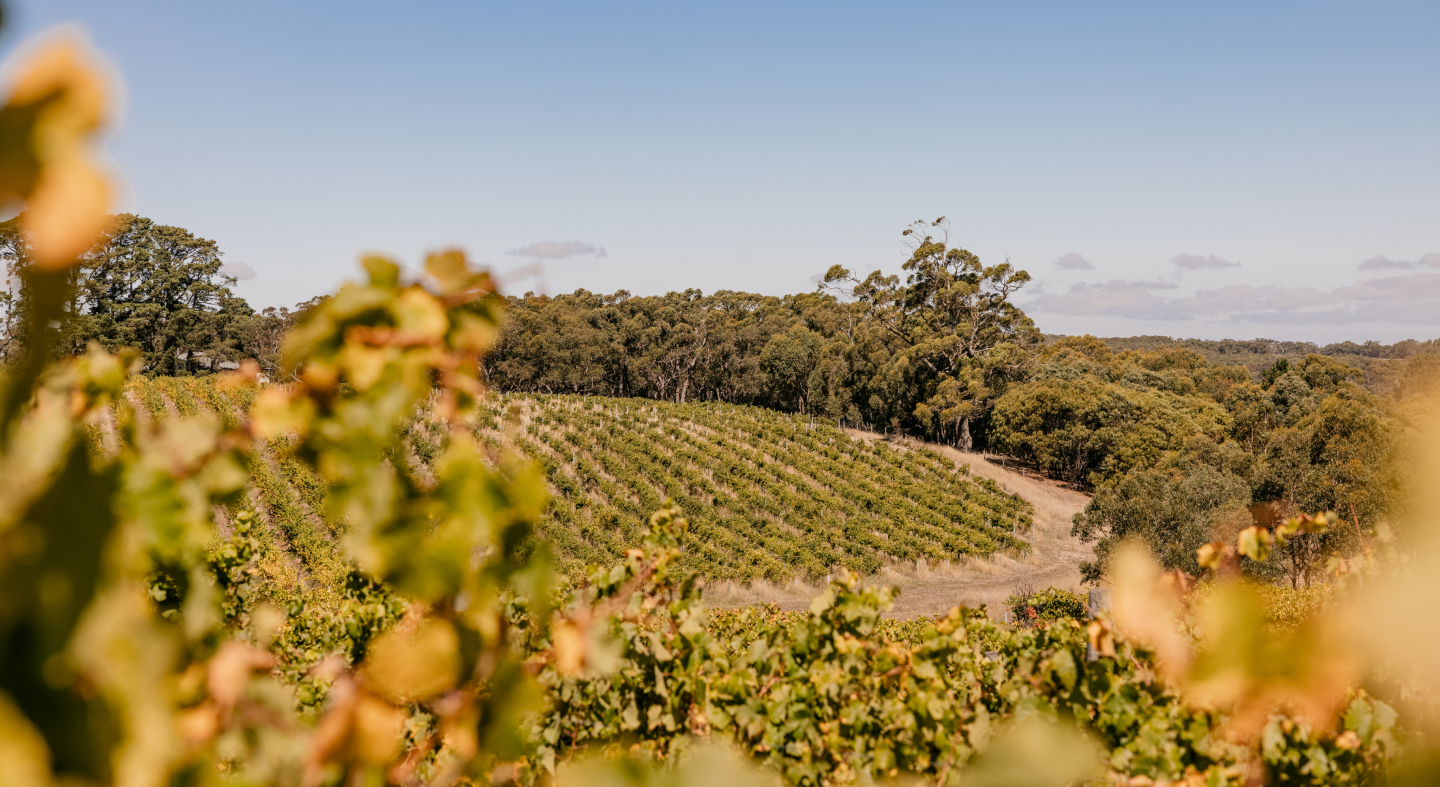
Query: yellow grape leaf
point(413, 667)
point(46, 129)
point(1318, 523)
point(365, 365)
point(1210, 555)
point(1146, 611)
point(1102, 639)
point(1035, 753)
point(569, 642)
point(230, 669)
point(68, 210)
point(1254, 542)
point(1246, 667)
point(24, 758)
point(276, 413)
point(379, 730)
point(1393, 614)
point(419, 316)
point(473, 334)
point(451, 271)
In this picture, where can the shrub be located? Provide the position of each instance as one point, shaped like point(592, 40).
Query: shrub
point(1028, 607)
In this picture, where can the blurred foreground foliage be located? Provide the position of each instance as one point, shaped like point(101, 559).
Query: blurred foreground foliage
point(144, 641)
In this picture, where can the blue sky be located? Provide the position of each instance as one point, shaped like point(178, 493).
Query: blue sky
point(749, 146)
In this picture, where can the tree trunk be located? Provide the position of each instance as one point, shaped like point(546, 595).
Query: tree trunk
point(965, 442)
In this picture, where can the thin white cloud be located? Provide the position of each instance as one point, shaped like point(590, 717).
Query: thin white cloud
point(1195, 262)
point(1382, 263)
point(1073, 262)
point(239, 270)
point(1249, 299)
point(559, 250)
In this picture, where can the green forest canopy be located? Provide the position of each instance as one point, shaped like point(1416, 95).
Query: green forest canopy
point(1179, 450)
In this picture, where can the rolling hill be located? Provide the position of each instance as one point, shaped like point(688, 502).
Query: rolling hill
point(768, 495)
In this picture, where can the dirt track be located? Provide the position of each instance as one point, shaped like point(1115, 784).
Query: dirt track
point(1054, 558)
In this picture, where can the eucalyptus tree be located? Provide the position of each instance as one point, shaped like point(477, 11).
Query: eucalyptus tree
point(961, 339)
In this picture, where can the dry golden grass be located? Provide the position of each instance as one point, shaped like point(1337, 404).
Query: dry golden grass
point(1054, 558)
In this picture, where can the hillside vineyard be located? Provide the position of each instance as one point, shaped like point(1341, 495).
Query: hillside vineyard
point(768, 495)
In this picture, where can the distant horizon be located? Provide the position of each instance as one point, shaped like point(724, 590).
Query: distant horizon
point(1235, 339)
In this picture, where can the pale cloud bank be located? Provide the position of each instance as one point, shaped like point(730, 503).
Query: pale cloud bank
point(1412, 298)
point(1117, 298)
point(559, 250)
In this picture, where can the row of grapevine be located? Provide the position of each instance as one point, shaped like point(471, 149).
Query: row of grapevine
point(301, 555)
point(841, 695)
point(767, 495)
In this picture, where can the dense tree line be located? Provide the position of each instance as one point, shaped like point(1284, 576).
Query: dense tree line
point(1381, 362)
point(156, 288)
point(1180, 450)
point(1218, 348)
point(928, 355)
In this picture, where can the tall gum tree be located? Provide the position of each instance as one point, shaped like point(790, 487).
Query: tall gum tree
point(962, 339)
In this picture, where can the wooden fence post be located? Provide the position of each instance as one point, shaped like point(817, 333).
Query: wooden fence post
point(1099, 604)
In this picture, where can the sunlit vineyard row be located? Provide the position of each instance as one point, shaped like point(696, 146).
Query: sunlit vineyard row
point(769, 495)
